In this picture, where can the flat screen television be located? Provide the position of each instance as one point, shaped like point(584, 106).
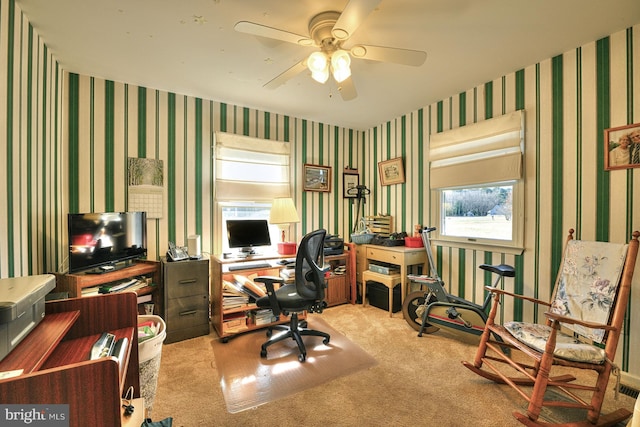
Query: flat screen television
point(246, 234)
point(101, 242)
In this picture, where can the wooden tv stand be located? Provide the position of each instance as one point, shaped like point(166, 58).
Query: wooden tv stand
point(55, 360)
point(74, 283)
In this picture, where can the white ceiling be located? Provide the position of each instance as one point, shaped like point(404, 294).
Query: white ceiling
point(190, 47)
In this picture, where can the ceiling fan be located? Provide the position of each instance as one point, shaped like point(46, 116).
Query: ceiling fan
point(330, 31)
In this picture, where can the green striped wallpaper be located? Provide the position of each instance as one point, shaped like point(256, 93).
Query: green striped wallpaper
point(31, 198)
point(569, 100)
point(65, 139)
point(110, 121)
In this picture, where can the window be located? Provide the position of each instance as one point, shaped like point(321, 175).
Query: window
point(477, 183)
point(250, 168)
point(249, 174)
point(248, 210)
point(480, 214)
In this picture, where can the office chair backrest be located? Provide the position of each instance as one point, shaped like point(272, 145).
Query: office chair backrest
point(310, 282)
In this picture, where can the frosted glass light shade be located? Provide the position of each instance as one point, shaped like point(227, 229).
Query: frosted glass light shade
point(317, 62)
point(341, 65)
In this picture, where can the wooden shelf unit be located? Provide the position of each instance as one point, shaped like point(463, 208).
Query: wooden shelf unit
point(380, 224)
point(74, 283)
point(338, 285)
point(56, 364)
point(340, 288)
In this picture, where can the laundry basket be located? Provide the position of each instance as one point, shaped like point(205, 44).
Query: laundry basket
point(149, 354)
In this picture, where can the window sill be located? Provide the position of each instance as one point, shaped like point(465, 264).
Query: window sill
point(482, 246)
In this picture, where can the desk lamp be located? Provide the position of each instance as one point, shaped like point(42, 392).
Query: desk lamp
point(283, 213)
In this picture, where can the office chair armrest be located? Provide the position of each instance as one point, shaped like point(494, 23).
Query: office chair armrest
point(573, 321)
point(271, 291)
point(503, 292)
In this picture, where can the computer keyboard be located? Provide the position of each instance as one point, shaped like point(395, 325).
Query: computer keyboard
point(249, 265)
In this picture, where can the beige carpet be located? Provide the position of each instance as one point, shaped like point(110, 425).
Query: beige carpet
point(247, 380)
point(417, 382)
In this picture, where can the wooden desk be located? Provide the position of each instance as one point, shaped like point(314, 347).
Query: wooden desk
point(401, 256)
point(231, 321)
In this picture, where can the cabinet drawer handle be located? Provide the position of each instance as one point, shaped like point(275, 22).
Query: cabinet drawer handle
point(187, 281)
point(188, 313)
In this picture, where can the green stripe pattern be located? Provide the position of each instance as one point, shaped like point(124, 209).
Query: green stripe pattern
point(65, 141)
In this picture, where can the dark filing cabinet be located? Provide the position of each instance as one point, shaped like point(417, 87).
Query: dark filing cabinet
point(186, 298)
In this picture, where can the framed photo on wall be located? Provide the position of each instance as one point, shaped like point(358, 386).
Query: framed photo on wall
point(622, 147)
point(391, 171)
point(350, 182)
point(317, 178)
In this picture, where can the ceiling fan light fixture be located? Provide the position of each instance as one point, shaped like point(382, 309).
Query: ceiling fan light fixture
point(318, 64)
point(341, 65)
point(321, 76)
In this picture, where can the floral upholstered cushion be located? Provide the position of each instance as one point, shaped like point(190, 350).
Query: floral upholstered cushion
point(567, 347)
point(588, 283)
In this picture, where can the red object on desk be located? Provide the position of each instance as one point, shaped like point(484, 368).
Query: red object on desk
point(286, 248)
point(413, 242)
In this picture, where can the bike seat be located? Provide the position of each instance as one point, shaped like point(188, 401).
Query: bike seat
point(500, 269)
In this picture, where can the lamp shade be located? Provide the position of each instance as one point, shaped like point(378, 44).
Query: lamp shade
point(283, 211)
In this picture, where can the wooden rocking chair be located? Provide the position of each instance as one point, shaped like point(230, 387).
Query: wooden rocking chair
point(583, 326)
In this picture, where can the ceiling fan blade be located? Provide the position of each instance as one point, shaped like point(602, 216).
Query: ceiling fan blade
point(351, 17)
point(390, 54)
point(347, 90)
point(272, 33)
point(286, 75)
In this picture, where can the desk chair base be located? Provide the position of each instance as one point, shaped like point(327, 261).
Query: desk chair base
point(295, 330)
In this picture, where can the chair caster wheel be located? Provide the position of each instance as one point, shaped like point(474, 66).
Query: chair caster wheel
point(325, 341)
point(263, 353)
point(303, 324)
point(302, 357)
point(269, 333)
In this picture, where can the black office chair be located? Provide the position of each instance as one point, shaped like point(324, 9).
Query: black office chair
point(306, 294)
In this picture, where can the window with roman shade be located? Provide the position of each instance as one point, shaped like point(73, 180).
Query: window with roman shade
point(249, 168)
point(477, 184)
point(484, 152)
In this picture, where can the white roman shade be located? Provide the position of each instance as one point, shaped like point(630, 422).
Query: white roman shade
point(480, 153)
point(250, 169)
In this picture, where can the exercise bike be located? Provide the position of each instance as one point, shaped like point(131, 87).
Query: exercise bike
point(425, 309)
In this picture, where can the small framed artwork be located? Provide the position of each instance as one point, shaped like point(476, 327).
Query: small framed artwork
point(317, 178)
point(350, 182)
point(622, 147)
point(391, 171)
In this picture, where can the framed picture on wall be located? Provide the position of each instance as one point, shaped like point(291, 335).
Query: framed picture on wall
point(317, 178)
point(391, 171)
point(622, 147)
point(350, 182)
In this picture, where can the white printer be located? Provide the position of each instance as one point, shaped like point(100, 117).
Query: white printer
point(21, 307)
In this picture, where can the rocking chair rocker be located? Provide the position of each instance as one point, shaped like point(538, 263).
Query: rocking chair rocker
point(582, 330)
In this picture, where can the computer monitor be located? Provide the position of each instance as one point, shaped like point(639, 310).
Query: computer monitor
point(247, 234)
